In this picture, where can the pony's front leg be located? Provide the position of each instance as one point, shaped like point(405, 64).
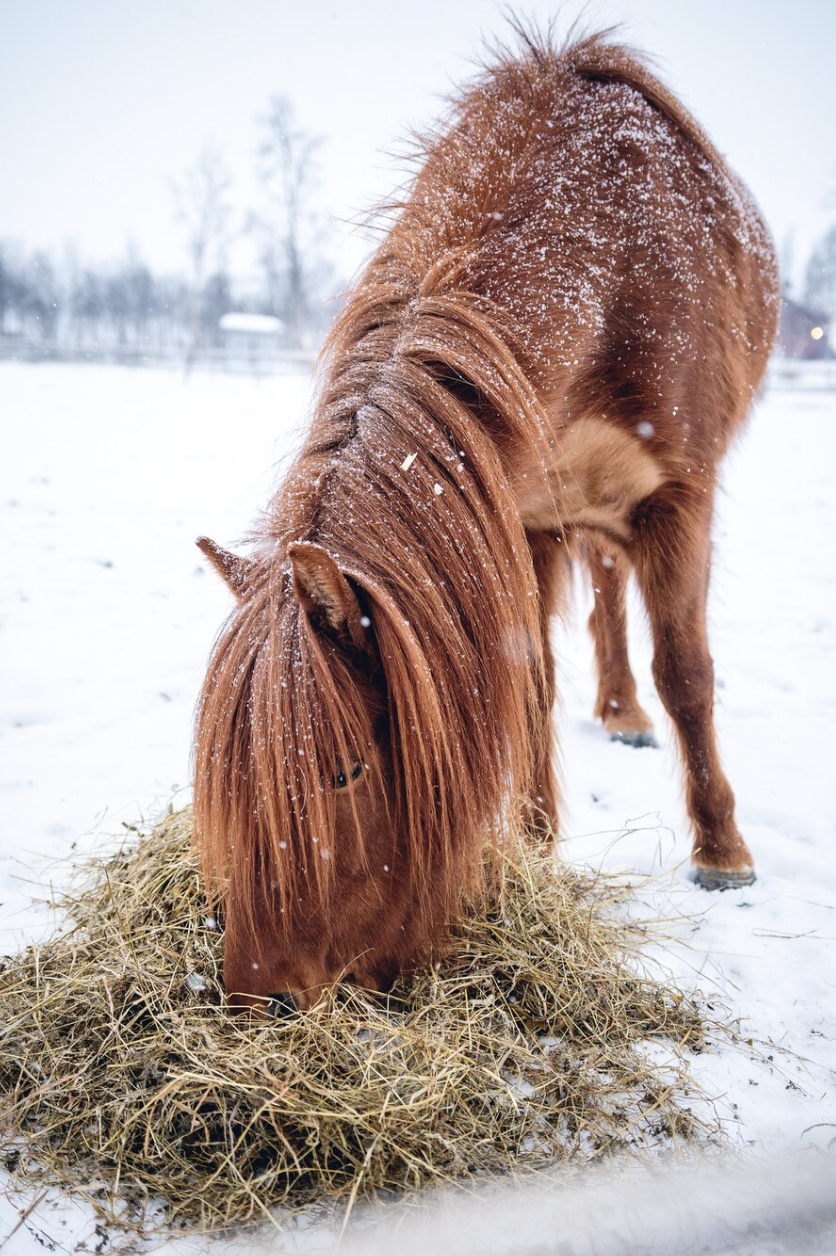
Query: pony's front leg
point(672, 551)
point(549, 568)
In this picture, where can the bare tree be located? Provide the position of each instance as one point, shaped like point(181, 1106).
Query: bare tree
point(203, 210)
point(42, 297)
point(820, 276)
point(786, 263)
point(130, 299)
point(289, 229)
point(13, 288)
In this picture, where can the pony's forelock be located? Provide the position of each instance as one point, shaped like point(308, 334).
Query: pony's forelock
point(275, 723)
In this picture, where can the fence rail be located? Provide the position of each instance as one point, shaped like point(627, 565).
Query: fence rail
point(179, 357)
point(797, 374)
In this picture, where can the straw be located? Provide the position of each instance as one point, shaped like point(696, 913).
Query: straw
point(125, 1081)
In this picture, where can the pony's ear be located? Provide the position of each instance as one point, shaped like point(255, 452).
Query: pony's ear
point(327, 595)
point(232, 569)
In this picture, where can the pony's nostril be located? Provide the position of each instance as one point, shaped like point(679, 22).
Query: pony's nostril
point(282, 1004)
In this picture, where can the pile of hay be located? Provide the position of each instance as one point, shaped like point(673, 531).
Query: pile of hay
point(123, 1079)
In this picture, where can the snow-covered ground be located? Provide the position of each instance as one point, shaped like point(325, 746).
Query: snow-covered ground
point(107, 614)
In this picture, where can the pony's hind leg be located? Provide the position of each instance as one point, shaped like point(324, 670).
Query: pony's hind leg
point(672, 551)
point(617, 706)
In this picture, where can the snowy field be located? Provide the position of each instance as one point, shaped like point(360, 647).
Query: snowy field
point(108, 612)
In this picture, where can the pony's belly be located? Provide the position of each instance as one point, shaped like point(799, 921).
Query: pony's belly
point(598, 476)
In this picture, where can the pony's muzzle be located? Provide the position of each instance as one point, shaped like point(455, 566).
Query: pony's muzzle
point(282, 1004)
point(277, 1005)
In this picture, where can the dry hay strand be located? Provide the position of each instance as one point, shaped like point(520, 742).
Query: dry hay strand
point(125, 1081)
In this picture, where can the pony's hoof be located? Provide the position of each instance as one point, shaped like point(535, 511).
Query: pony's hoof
point(716, 879)
point(636, 737)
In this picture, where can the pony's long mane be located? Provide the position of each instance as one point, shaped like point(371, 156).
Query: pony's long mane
point(402, 482)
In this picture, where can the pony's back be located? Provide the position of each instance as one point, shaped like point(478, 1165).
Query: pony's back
point(578, 201)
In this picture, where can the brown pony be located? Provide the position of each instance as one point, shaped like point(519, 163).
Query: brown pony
point(549, 353)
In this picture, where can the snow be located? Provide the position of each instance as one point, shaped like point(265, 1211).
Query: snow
point(108, 613)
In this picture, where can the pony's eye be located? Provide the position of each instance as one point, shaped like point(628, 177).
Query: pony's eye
point(342, 778)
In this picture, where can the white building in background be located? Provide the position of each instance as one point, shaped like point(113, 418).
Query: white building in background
point(252, 342)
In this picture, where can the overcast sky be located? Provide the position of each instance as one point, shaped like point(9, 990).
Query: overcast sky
point(103, 103)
